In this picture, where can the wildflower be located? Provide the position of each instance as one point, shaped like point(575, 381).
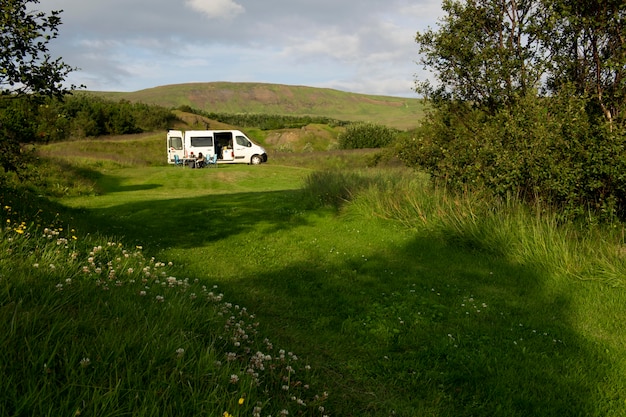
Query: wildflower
point(142, 293)
point(180, 352)
point(241, 400)
point(85, 362)
point(227, 414)
point(160, 298)
point(234, 378)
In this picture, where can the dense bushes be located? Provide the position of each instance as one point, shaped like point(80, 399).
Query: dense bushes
point(265, 121)
point(92, 116)
point(366, 135)
point(551, 150)
point(78, 116)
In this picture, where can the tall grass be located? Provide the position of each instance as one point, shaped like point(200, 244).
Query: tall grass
point(90, 327)
point(504, 227)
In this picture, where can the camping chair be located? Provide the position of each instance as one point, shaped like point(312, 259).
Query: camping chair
point(212, 161)
point(177, 161)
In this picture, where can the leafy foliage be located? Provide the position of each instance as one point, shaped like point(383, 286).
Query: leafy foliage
point(548, 151)
point(529, 101)
point(26, 70)
point(26, 67)
point(93, 116)
point(78, 116)
point(366, 135)
point(265, 121)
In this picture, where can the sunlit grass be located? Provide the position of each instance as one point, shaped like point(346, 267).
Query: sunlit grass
point(89, 327)
point(405, 299)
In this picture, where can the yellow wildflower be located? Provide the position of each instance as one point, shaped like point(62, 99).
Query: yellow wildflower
point(241, 401)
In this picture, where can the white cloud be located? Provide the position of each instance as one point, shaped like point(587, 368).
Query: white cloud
point(216, 8)
point(365, 46)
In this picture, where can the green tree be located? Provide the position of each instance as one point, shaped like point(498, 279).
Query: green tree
point(484, 52)
point(27, 70)
point(587, 45)
point(529, 98)
point(366, 135)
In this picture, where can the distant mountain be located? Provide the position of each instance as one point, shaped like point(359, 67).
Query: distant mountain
point(228, 97)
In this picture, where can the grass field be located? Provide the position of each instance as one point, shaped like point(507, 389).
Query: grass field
point(397, 299)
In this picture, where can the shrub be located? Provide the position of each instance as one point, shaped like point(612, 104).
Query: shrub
point(366, 135)
point(543, 150)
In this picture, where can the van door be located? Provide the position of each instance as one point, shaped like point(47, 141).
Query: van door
point(224, 145)
point(174, 145)
point(242, 149)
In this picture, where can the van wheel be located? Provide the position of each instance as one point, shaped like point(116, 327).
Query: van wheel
point(255, 160)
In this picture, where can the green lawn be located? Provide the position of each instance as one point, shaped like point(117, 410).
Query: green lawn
point(395, 320)
point(398, 322)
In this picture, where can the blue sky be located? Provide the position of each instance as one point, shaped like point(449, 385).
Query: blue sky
point(362, 46)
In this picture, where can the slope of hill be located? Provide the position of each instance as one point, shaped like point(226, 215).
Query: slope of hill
point(228, 97)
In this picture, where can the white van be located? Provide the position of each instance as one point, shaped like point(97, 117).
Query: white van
point(231, 146)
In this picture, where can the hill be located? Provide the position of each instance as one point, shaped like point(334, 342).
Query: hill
point(228, 97)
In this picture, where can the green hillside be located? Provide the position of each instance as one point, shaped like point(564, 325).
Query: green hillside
point(227, 97)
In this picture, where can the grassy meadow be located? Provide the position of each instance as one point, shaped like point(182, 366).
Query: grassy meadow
point(312, 285)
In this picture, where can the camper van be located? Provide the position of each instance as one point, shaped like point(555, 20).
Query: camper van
point(230, 146)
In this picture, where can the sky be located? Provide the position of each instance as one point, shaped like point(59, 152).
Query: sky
point(360, 46)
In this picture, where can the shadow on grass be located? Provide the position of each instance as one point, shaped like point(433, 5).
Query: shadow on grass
point(420, 328)
point(432, 330)
point(194, 222)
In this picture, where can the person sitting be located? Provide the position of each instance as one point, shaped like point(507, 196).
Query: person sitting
point(200, 161)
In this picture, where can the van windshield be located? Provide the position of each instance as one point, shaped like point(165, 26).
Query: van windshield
point(243, 141)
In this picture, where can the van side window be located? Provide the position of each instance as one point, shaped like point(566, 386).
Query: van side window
point(199, 141)
point(243, 141)
point(176, 143)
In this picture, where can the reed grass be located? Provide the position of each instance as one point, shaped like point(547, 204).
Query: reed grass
point(504, 227)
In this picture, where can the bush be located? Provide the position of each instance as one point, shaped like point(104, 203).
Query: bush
point(89, 116)
point(543, 150)
point(366, 135)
